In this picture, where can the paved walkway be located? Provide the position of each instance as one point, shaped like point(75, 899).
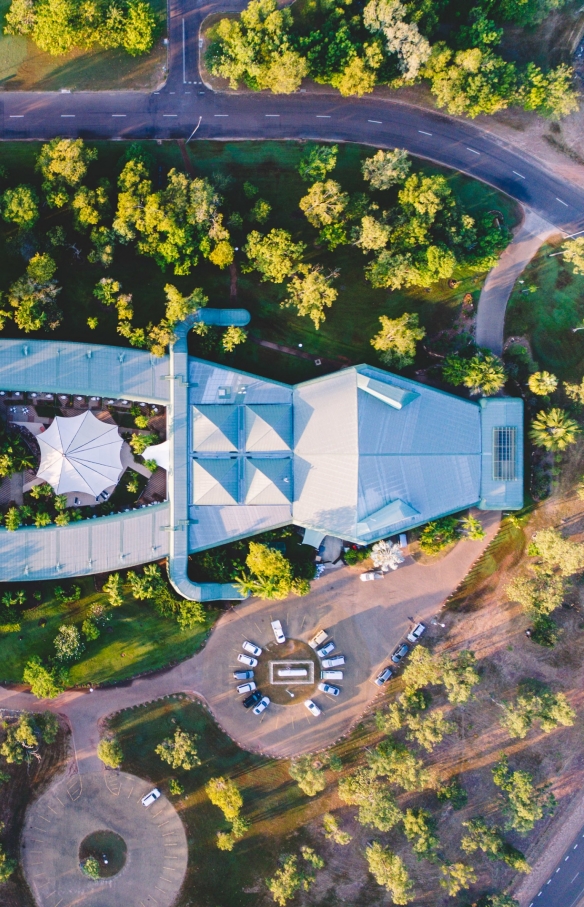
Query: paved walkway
point(366, 620)
point(529, 237)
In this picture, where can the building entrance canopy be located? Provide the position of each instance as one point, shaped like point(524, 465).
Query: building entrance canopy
point(80, 454)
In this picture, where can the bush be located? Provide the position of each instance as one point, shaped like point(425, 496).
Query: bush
point(110, 753)
point(91, 868)
point(438, 534)
point(356, 555)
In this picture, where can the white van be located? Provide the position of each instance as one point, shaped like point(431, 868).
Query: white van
point(331, 675)
point(335, 662)
point(320, 637)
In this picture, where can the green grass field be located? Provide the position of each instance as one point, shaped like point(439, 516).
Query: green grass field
point(23, 67)
point(545, 308)
point(135, 639)
point(271, 166)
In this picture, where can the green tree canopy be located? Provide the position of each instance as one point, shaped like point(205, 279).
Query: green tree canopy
point(275, 256)
point(34, 296)
point(110, 752)
point(377, 806)
point(396, 341)
point(317, 161)
point(386, 168)
point(554, 430)
point(224, 793)
point(310, 293)
point(45, 683)
point(179, 751)
point(310, 779)
point(390, 872)
point(542, 383)
point(525, 803)
point(20, 206)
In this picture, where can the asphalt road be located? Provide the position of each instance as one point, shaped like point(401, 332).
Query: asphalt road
point(184, 104)
point(565, 886)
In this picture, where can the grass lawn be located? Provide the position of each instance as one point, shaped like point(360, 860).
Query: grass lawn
point(134, 639)
point(23, 67)
point(545, 308)
point(271, 167)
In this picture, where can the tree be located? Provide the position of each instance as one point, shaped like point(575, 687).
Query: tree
point(189, 614)
point(471, 82)
point(390, 871)
point(324, 203)
point(460, 676)
point(139, 443)
point(399, 765)
point(63, 164)
point(310, 779)
point(557, 552)
point(536, 702)
point(419, 829)
point(386, 168)
point(110, 752)
point(575, 391)
point(550, 93)
point(357, 78)
point(554, 430)
point(525, 804)
point(574, 254)
point(45, 683)
point(485, 374)
point(396, 341)
point(68, 645)
point(260, 211)
point(179, 751)
point(91, 868)
point(224, 793)
point(90, 629)
point(291, 878)
point(317, 161)
point(372, 235)
point(275, 256)
point(49, 724)
point(402, 38)
point(7, 865)
point(497, 900)
point(333, 832)
point(542, 383)
point(140, 28)
point(20, 206)
point(538, 595)
point(21, 739)
point(15, 456)
point(377, 806)
point(34, 296)
point(310, 293)
point(428, 731)
point(489, 839)
point(452, 792)
point(269, 574)
point(386, 555)
point(232, 337)
point(456, 877)
point(113, 588)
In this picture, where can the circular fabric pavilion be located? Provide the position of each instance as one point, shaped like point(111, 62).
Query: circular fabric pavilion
point(80, 454)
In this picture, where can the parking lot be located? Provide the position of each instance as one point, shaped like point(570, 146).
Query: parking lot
point(366, 621)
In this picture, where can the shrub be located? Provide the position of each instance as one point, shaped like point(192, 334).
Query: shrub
point(110, 753)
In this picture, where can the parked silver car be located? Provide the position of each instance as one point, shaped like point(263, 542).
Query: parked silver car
point(335, 662)
point(329, 689)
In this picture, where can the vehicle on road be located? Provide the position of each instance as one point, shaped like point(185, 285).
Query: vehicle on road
point(151, 798)
point(335, 662)
point(312, 707)
point(246, 687)
point(317, 639)
point(329, 689)
point(243, 675)
point(383, 677)
point(326, 650)
point(251, 700)
point(418, 631)
point(251, 648)
point(331, 675)
point(247, 660)
point(278, 631)
point(261, 706)
point(371, 575)
point(401, 652)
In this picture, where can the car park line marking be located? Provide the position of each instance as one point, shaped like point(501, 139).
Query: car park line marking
point(221, 114)
point(423, 132)
point(323, 116)
point(164, 823)
point(375, 121)
point(272, 114)
point(66, 115)
point(16, 116)
point(472, 150)
point(170, 114)
point(162, 879)
point(520, 175)
point(561, 202)
point(119, 114)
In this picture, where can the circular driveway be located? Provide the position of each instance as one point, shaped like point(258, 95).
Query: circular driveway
point(69, 811)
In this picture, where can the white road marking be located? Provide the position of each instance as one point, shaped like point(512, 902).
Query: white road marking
point(558, 869)
point(221, 114)
point(119, 114)
point(548, 881)
point(574, 847)
point(566, 858)
point(16, 116)
point(575, 877)
point(375, 121)
point(561, 202)
point(170, 114)
point(66, 115)
point(184, 53)
point(520, 175)
point(473, 151)
point(323, 116)
point(272, 114)
point(424, 133)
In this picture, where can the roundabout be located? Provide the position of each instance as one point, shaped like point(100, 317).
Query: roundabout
point(141, 852)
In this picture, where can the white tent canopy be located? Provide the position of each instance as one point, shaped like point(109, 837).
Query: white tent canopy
point(80, 454)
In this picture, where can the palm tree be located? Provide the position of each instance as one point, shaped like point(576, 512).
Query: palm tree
point(484, 374)
point(553, 430)
point(542, 383)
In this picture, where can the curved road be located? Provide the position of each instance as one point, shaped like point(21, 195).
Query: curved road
point(184, 103)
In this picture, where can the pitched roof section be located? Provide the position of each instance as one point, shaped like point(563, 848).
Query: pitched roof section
point(215, 428)
point(214, 482)
point(268, 481)
point(268, 427)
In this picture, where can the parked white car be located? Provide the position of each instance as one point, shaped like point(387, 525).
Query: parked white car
point(151, 798)
point(316, 640)
point(312, 707)
point(246, 687)
point(322, 653)
point(370, 576)
point(247, 660)
point(418, 631)
point(329, 689)
point(251, 648)
point(261, 706)
point(331, 675)
point(243, 675)
point(278, 631)
point(335, 662)
point(383, 677)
